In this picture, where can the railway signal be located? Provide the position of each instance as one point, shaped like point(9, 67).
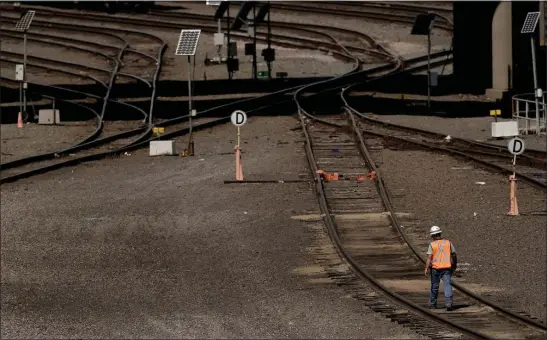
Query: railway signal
point(515, 147)
point(187, 45)
point(22, 26)
point(238, 118)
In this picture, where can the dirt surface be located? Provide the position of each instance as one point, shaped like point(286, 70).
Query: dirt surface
point(478, 128)
point(35, 139)
point(161, 248)
point(493, 248)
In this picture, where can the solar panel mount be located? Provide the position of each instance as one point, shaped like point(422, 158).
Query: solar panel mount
point(188, 42)
point(24, 24)
point(530, 22)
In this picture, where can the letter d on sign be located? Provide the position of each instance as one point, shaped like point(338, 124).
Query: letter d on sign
point(238, 118)
point(516, 146)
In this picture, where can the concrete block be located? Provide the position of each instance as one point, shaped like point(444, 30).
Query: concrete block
point(162, 147)
point(48, 117)
point(505, 129)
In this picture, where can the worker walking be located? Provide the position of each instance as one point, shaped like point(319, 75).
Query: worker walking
point(442, 261)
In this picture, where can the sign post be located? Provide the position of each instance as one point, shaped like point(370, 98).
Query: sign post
point(515, 147)
point(239, 118)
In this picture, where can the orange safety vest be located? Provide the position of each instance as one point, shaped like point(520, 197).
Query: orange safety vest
point(441, 254)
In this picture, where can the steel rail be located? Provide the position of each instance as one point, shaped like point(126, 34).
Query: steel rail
point(88, 142)
point(389, 206)
point(208, 28)
point(399, 18)
point(530, 154)
point(58, 70)
point(270, 98)
point(75, 65)
point(332, 231)
point(531, 181)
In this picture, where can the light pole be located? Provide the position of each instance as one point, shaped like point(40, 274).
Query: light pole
point(187, 45)
point(529, 27)
point(22, 26)
point(422, 26)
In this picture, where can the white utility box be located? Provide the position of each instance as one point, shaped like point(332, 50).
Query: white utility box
point(219, 39)
point(48, 117)
point(162, 148)
point(505, 129)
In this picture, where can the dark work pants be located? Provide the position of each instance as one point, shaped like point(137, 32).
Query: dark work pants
point(436, 276)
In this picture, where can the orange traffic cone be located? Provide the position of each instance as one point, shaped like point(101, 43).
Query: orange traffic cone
point(20, 121)
point(514, 210)
point(239, 166)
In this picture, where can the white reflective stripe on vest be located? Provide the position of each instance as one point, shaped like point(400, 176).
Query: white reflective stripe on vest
point(442, 256)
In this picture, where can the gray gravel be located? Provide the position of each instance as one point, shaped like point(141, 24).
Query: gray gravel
point(478, 128)
point(144, 247)
point(506, 255)
point(34, 139)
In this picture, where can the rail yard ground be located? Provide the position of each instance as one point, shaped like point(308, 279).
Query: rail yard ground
point(159, 247)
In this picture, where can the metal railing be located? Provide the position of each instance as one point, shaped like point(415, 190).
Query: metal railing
point(529, 119)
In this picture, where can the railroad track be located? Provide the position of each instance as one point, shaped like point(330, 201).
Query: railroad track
point(327, 43)
point(366, 232)
point(91, 148)
point(397, 13)
point(361, 221)
point(531, 166)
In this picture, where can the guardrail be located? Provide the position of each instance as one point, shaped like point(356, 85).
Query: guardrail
point(528, 118)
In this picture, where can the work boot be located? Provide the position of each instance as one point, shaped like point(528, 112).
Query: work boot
point(449, 308)
point(430, 306)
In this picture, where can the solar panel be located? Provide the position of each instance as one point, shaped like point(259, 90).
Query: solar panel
point(188, 42)
point(24, 23)
point(530, 22)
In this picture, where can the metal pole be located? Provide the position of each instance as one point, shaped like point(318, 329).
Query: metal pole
point(533, 45)
point(25, 72)
point(238, 136)
point(21, 97)
point(255, 76)
point(428, 68)
point(190, 142)
point(229, 55)
point(269, 43)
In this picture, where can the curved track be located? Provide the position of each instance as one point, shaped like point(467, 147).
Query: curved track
point(55, 160)
point(478, 322)
point(360, 218)
point(90, 147)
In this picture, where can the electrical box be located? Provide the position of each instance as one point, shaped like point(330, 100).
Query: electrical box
point(218, 39)
point(505, 129)
point(162, 148)
point(48, 117)
point(268, 54)
point(19, 71)
point(233, 65)
point(434, 79)
point(250, 49)
point(232, 49)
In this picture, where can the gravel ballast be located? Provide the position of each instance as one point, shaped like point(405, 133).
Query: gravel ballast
point(161, 248)
point(34, 139)
point(478, 128)
point(505, 254)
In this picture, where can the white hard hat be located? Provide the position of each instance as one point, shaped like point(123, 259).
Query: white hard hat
point(434, 230)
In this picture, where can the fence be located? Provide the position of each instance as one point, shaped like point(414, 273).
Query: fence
point(528, 118)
